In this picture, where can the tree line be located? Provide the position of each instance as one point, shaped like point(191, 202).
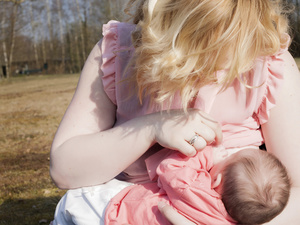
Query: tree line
point(53, 36)
point(56, 36)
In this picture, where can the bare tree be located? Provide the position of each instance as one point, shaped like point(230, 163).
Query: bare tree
point(297, 4)
point(63, 52)
point(116, 9)
point(13, 35)
point(4, 45)
point(14, 17)
point(62, 33)
point(294, 18)
point(33, 28)
point(49, 23)
point(42, 39)
point(81, 31)
point(76, 60)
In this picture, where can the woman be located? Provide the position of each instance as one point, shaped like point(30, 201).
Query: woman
point(188, 59)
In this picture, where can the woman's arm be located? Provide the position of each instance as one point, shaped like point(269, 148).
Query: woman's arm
point(87, 150)
point(281, 134)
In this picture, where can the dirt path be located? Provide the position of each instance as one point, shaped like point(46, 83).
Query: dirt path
point(30, 111)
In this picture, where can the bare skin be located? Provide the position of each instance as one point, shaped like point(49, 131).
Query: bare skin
point(86, 142)
point(285, 145)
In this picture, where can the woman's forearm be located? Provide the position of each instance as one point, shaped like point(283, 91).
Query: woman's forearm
point(92, 159)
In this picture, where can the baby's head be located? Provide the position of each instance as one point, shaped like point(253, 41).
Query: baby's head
point(255, 186)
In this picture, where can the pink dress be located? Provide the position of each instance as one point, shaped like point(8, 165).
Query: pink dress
point(183, 182)
point(238, 109)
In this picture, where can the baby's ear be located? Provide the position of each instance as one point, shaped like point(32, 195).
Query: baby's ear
point(216, 181)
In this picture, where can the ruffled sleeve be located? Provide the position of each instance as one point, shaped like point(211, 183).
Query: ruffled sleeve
point(109, 49)
point(274, 80)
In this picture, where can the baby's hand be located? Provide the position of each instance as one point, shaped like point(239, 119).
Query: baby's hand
point(219, 154)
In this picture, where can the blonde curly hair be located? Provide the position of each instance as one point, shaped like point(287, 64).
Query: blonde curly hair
point(181, 44)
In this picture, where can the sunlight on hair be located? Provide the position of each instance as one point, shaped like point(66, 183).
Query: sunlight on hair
point(180, 45)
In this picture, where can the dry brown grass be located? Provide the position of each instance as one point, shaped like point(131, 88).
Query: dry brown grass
point(30, 111)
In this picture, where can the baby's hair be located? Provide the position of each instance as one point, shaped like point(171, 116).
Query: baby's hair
point(256, 188)
point(183, 43)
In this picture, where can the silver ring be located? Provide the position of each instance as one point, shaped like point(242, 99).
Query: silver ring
point(193, 139)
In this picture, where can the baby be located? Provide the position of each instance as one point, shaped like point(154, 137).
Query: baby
point(213, 187)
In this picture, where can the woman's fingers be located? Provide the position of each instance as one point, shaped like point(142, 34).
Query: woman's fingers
point(206, 132)
point(185, 148)
point(200, 143)
point(206, 127)
point(186, 133)
point(190, 149)
point(214, 126)
point(172, 215)
point(201, 137)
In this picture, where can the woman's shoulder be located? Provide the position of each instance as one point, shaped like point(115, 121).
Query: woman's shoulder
point(116, 40)
point(118, 28)
point(118, 23)
point(272, 76)
point(117, 36)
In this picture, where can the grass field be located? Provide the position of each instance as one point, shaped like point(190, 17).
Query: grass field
point(30, 111)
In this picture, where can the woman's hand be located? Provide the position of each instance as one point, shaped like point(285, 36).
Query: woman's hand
point(186, 132)
point(174, 217)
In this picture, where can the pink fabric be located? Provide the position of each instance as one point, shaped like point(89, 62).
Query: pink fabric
point(241, 107)
point(182, 182)
point(240, 110)
point(108, 60)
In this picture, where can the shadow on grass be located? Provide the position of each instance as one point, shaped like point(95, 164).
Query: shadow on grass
point(38, 211)
point(23, 161)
